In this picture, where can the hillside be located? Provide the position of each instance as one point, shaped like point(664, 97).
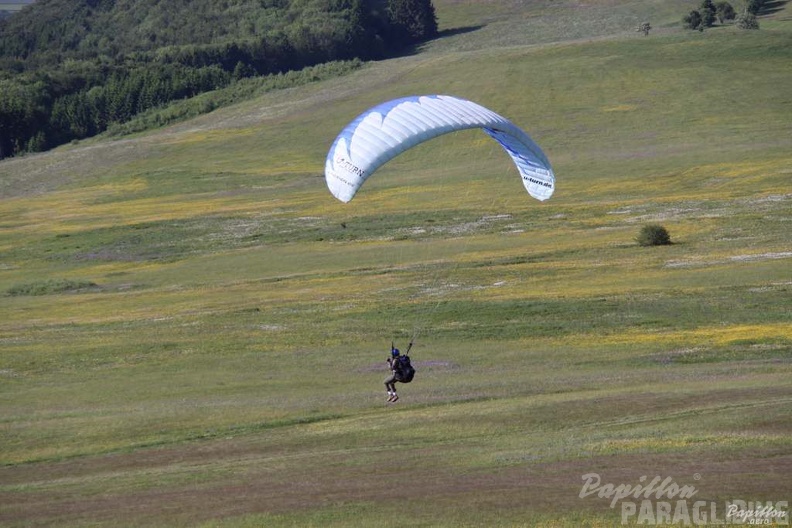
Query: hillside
point(194, 330)
point(71, 69)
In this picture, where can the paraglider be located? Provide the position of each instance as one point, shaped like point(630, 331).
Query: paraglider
point(388, 129)
point(401, 370)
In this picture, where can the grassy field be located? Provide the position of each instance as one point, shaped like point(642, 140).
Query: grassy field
point(194, 331)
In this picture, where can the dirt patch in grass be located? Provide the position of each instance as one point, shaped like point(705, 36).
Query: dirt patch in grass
point(700, 262)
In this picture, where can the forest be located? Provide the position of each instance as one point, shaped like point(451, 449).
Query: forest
point(70, 69)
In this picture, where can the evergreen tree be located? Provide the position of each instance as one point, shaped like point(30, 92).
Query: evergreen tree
point(707, 12)
point(725, 12)
point(693, 21)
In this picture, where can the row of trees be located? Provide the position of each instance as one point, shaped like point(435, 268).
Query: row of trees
point(723, 12)
point(71, 68)
point(47, 33)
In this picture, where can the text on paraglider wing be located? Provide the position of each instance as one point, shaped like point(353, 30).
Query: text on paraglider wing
point(342, 180)
point(538, 182)
point(349, 167)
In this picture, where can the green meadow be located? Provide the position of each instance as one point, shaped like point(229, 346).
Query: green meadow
point(194, 331)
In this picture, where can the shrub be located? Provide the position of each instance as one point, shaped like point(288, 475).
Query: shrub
point(653, 235)
point(725, 12)
point(693, 21)
point(747, 21)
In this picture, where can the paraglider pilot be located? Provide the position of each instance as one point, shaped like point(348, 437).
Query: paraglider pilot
point(401, 370)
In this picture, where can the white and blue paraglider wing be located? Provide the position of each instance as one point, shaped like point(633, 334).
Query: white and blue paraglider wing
point(385, 131)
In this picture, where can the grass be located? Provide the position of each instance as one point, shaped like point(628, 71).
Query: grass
point(226, 368)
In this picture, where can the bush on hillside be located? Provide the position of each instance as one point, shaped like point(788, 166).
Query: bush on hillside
point(708, 13)
point(693, 21)
point(653, 235)
point(747, 21)
point(725, 12)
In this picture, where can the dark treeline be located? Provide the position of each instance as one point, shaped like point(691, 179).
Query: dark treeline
point(71, 68)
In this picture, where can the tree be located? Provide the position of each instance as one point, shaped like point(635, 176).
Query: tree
point(415, 20)
point(37, 143)
point(242, 70)
point(23, 113)
point(693, 21)
point(707, 12)
point(645, 27)
point(747, 20)
point(725, 12)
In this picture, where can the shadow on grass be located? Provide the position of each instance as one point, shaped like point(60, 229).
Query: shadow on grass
point(771, 8)
point(445, 33)
point(469, 29)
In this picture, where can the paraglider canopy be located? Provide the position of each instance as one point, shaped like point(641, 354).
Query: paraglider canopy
point(386, 130)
